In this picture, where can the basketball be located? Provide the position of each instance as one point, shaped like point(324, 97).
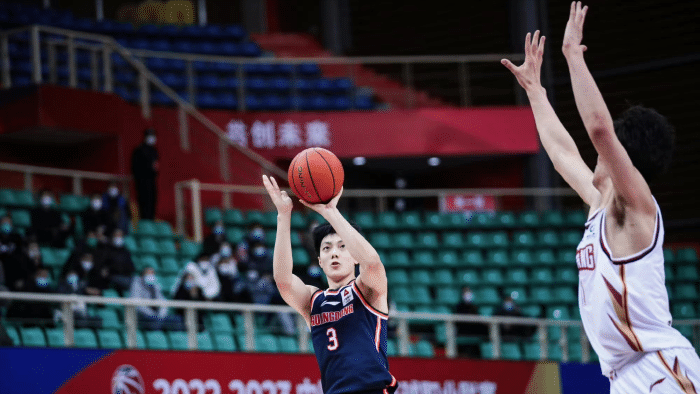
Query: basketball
point(316, 175)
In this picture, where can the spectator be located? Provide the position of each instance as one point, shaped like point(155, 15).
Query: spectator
point(204, 274)
point(33, 259)
point(118, 262)
point(212, 243)
point(188, 290)
point(313, 276)
point(144, 166)
point(11, 255)
point(82, 246)
point(233, 286)
point(96, 217)
point(512, 331)
point(35, 313)
point(152, 318)
point(48, 227)
point(91, 277)
point(466, 307)
point(73, 284)
point(117, 208)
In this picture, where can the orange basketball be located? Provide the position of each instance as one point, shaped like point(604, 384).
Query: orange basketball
point(316, 175)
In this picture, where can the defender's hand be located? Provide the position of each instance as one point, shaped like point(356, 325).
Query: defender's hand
point(528, 74)
point(573, 34)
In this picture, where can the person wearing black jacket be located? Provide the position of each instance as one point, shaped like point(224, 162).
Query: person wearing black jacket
point(95, 217)
point(144, 166)
point(117, 260)
point(35, 313)
point(48, 227)
point(11, 258)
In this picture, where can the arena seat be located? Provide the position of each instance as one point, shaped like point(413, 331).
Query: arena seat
point(110, 318)
point(509, 351)
point(422, 348)
point(109, 339)
point(14, 335)
point(204, 341)
point(156, 340)
point(177, 340)
point(498, 257)
point(84, 338)
point(55, 337)
point(288, 344)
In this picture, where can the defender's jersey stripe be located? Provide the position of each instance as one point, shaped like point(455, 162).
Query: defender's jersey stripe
point(686, 385)
point(637, 256)
point(626, 307)
point(369, 307)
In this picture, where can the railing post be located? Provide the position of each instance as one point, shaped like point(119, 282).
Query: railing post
point(495, 337)
point(72, 71)
point(223, 160)
point(585, 349)
point(107, 67)
point(240, 74)
point(564, 343)
point(179, 210)
point(94, 70)
point(191, 326)
point(191, 91)
point(249, 326)
point(5, 53)
point(131, 325)
point(542, 333)
point(28, 181)
point(68, 323)
point(196, 210)
point(184, 128)
point(303, 331)
point(53, 75)
point(99, 10)
point(295, 90)
point(77, 185)
point(451, 337)
point(402, 332)
point(226, 200)
point(464, 86)
point(408, 82)
point(36, 55)
point(145, 95)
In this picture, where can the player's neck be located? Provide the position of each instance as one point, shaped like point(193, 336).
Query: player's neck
point(334, 285)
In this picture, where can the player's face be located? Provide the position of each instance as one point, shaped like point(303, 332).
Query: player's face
point(335, 259)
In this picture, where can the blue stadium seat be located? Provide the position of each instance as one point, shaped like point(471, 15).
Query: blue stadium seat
point(280, 84)
point(342, 84)
point(233, 31)
point(206, 100)
point(161, 45)
point(157, 63)
point(256, 84)
point(253, 103)
point(175, 81)
point(184, 46)
point(309, 69)
point(230, 83)
point(223, 67)
point(227, 100)
point(363, 102)
point(251, 49)
point(208, 81)
point(340, 103)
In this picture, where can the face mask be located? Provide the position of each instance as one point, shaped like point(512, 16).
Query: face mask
point(6, 228)
point(189, 284)
point(33, 253)
point(113, 191)
point(91, 242)
point(227, 268)
point(150, 279)
point(257, 234)
point(46, 201)
point(118, 242)
point(508, 305)
point(151, 140)
point(468, 296)
point(218, 230)
point(96, 204)
point(86, 264)
point(259, 251)
point(225, 251)
point(42, 282)
point(314, 271)
point(72, 280)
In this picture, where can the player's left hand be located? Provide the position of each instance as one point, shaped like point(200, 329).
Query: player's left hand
point(322, 209)
point(573, 34)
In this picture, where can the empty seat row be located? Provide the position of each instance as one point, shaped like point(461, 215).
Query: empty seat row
point(489, 277)
point(475, 239)
point(496, 258)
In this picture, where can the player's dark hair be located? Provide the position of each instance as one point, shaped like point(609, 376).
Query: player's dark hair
point(322, 230)
point(649, 138)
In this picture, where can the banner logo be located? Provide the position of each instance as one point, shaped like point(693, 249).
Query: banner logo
point(127, 380)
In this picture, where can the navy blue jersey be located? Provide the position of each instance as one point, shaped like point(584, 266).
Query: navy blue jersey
point(349, 339)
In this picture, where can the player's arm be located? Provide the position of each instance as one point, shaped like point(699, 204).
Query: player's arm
point(630, 186)
point(293, 290)
point(372, 274)
point(555, 139)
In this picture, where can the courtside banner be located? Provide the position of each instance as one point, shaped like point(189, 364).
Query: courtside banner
point(75, 371)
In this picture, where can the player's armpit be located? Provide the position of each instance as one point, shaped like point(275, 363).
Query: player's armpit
point(372, 279)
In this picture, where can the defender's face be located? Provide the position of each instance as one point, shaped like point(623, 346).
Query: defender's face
point(334, 258)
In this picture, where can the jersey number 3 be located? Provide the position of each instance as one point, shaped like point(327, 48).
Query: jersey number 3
point(332, 339)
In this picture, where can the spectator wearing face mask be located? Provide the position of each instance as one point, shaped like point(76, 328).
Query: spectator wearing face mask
point(73, 284)
point(146, 287)
point(212, 242)
point(466, 307)
point(95, 217)
point(204, 274)
point(313, 276)
point(33, 259)
point(144, 166)
point(233, 286)
point(90, 276)
point(117, 208)
point(188, 290)
point(508, 307)
point(11, 255)
point(48, 227)
point(35, 313)
point(118, 262)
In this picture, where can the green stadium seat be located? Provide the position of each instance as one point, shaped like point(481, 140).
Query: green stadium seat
point(266, 343)
point(552, 219)
point(149, 261)
point(300, 257)
point(146, 228)
point(130, 244)
point(14, 335)
point(684, 310)
point(566, 275)
point(575, 352)
point(452, 239)
point(221, 323)
point(531, 351)
point(397, 277)
point(422, 348)
point(687, 273)
point(156, 340)
point(403, 240)
point(400, 294)
point(294, 238)
point(163, 229)
point(109, 317)
point(234, 217)
point(380, 240)
point(487, 296)
point(523, 239)
point(167, 247)
point(254, 217)
point(669, 275)
point(410, 220)
point(670, 291)
point(140, 340)
point(558, 312)
point(529, 219)
point(522, 257)
point(270, 236)
point(505, 220)
point(669, 256)
point(269, 219)
point(493, 277)
point(24, 198)
point(49, 258)
point(455, 220)
point(7, 198)
point(224, 342)
point(516, 276)
point(234, 235)
point(109, 339)
point(472, 258)
point(571, 238)
point(468, 277)
point(427, 240)
point(447, 296)
point(421, 295)
point(397, 258)
point(486, 310)
point(447, 258)
point(167, 282)
point(542, 276)
point(288, 344)
point(567, 257)
point(424, 258)
point(178, 340)
point(554, 352)
point(72, 203)
point(55, 337)
point(21, 218)
point(482, 220)
point(686, 291)
point(575, 218)
point(541, 295)
point(388, 220)
point(443, 277)
point(435, 221)
point(84, 338)
point(168, 265)
point(298, 221)
point(532, 310)
point(686, 330)
point(204, 342)
point(499, 239)
point(477, 239)
point(212, 215)
point(548, 238)
point(391, 348)
point(518, 293)
point(149, 246)
point(365, 220)
point(497, 257)
point(509, 351)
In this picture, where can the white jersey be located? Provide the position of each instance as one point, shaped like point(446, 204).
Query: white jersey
point(623, 301)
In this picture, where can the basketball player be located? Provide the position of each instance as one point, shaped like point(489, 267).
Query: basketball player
point(348, 321)
point(622, 298)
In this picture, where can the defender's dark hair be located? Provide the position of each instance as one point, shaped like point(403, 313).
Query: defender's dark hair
point(320, 232)
point(649, 138)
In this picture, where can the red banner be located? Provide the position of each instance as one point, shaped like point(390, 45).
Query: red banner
point(468, 203)
point(435, 131)
point(244, 373)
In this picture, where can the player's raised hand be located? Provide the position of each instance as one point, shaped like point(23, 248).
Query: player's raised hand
point(279, 197)
point(528, 74)
point(322, 208)
point(573, 34)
